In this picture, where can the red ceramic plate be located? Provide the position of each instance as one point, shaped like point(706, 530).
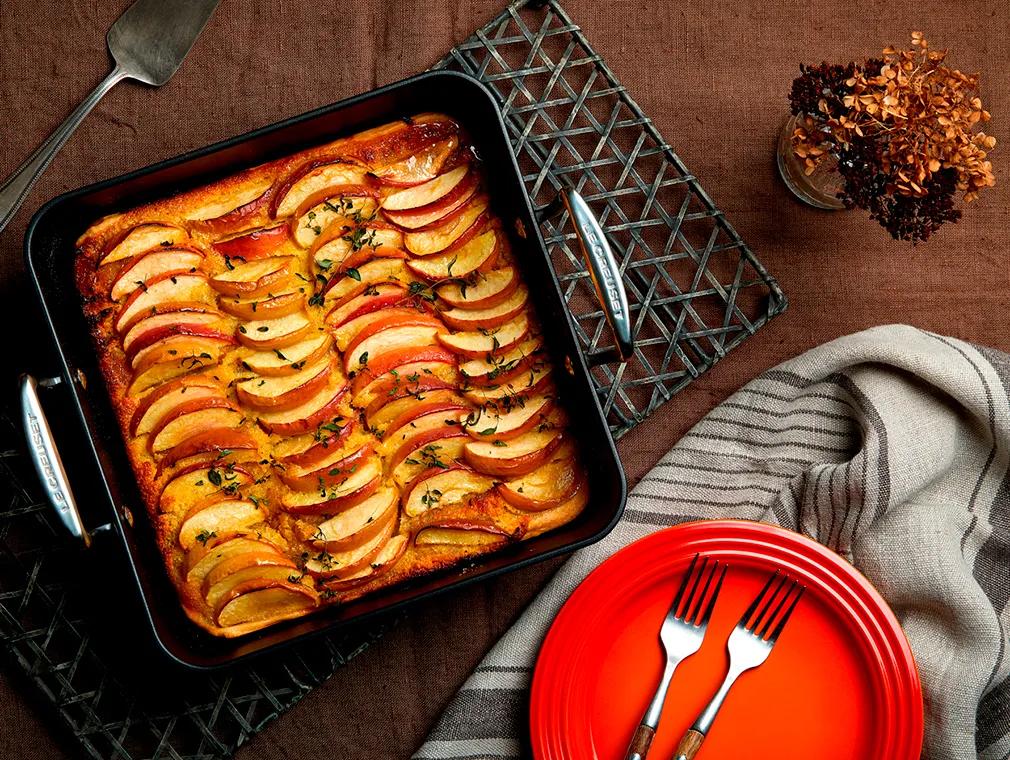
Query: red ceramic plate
point(840, 684)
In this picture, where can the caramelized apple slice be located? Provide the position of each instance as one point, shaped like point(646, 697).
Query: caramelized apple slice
point(268, 334)
point(308, 450)
point(394, 364)
point(501, 366)
point(290, 360)
point(257, 244)
point(440, 209)
point(285, 391)
point(430, 420)
point(191, 418)
point(373, 321)
point(310, 224)
point(206, 555)
point(414, 383)
point(489, 318)
point(374, 299)
point(216, 440)
point(478, 343)
point(399, 335)
point(264, 606)
point(341, 289)
point(199, 483)
point(167, 342)
point(243, 581)
point(149, 266)
point(492, 424)
point(438, 488)
point(359, 524)
point(331, 471)
point(344, 564)
point(549, 485)
point(163, 289)
point(160, 402)
point(318, 410)
point(180, 356)
point(224, 217)
point(445, 451)
point(488, 289)
point(476, 537)
point(419, 167)
point(309, 179)
point(222, 516)
point(340, 242)
point(385, 559)
point(144, 238)
point(548, 519)
point(429, 241)
point(516, 457)
point(255, 277)
point(478, 254)
point(142, 331)
point(512, 392)
point(427, 192)
point(353, 488)
point(266, 557)
point(394, 414)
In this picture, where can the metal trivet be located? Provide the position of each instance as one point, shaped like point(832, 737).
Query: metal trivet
point(697, 291)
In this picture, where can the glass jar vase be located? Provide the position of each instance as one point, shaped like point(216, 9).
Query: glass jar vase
point(820, 188)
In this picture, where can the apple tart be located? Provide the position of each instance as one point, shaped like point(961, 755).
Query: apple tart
point(328, 375)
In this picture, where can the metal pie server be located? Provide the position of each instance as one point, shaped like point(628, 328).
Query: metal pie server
point(148, 43)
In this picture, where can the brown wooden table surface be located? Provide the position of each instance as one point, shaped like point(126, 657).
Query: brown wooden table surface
point(713, 74)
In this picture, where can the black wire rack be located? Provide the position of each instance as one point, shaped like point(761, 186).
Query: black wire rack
point(695, 289)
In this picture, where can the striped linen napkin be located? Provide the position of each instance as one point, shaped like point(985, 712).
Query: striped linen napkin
point(890, 446)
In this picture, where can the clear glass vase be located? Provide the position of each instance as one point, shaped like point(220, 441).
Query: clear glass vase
point(819, 189)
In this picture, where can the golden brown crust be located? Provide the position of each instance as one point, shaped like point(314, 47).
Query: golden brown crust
point(278, 484)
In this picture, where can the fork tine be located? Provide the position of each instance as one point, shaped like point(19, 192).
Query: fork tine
point(785, 617)
point(770, 619)
point(698, 601)
point(695, 580)
point(757, 600)
point(683, 585)
point(715, 593)
point(766, 605)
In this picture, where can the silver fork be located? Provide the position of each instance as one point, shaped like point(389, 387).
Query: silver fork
point(749, 646)
point(681, 635)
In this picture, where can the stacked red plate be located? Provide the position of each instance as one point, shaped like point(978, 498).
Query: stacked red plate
point(840, 683)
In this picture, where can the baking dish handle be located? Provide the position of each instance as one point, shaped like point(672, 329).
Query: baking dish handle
point(46, 457)
point(603, 271)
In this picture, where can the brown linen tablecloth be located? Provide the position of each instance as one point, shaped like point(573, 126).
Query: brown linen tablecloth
point(713, 74)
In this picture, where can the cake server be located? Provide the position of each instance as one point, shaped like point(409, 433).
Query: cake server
point(148, 43)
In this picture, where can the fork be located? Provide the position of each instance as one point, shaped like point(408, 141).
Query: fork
point(749, 645)
point(681, 635)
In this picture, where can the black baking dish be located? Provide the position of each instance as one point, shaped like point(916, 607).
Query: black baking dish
point(49, 254)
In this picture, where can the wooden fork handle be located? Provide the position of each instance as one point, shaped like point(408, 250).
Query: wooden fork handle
point(640, 743)
point(689, 745)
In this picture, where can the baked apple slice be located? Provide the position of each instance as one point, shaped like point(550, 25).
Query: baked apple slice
point(142, 331)
point(392, 337)
point(384, 560)
point(421, 167)
point(269, 334)
point(312, 222)
point(426, 192)
point(394, 414)
point(144, 238)
point(488, 318)
point(424, 446)
point(373, 321)
point(442, 453)
point(215, 440)
point(254, 278)
point(352, 488)
point(419, 425)
point(438, 488)
point(480, 253)
point(267, 557)
point(341, 289)
point(514, 457)
point(513, 392)
point(149, 266)
point(163, 289)
point(311, 178)
point(332, 470)
point(503, 366)
point(489, 289)
point(339, 242)
point(222, 516)
point(175, 357)
point(273, 305)
point(200, 482)
point(248, 579)
point(260, 607)
point(547, 519)
point(225, 217)
point(433, 213)
point(493, 424)
point(549, 485)
point(285, 391)
point(310, 449)
point(482, 537)
point(415, 379)
point(438, 238)
point(359, 524)
point(394, 364)
point(257, 244)
point(349, 562)
point(374, 299)
point(203, 557)
point(290, 360)
point(169, 341)
point(160, 402)
point(316, 411)
point(191, 418)
point(478, 343)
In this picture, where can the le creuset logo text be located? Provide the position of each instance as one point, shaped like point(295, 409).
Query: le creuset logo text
point(609, 283)
point(45, 464)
